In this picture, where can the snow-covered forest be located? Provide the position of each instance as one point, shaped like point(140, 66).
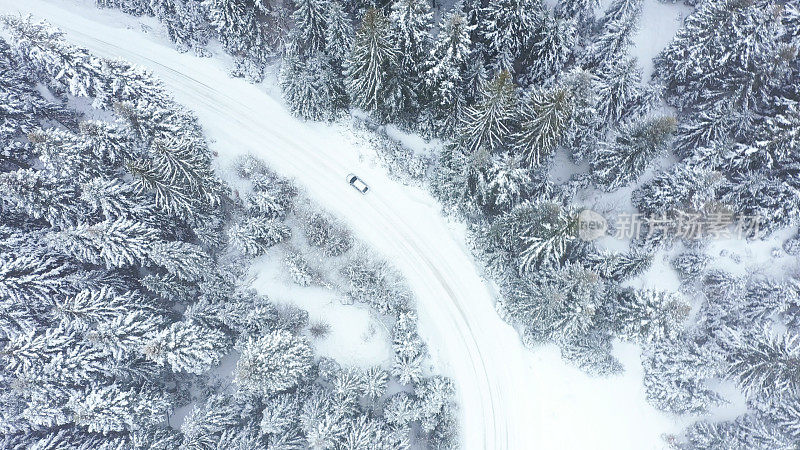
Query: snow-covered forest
point(126, 262)
point(124, 288)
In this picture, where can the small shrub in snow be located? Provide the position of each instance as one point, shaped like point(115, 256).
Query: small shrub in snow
point(248, 166)
point(253, 236)
point(319, 329)
point(375, 284)
point(332, 238)
point(301, 272)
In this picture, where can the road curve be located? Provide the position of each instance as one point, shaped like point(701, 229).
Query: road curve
point(469, 341)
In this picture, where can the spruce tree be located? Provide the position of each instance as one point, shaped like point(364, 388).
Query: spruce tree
point(634, 150)
point(488, 124)
point(447, 74)
point(273, 363)
point(546, 118)
point(411, 21)
point(371, 59)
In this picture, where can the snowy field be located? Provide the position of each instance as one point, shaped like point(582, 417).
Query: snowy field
point(509, 397)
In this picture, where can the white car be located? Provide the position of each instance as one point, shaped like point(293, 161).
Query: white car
point(357, 183)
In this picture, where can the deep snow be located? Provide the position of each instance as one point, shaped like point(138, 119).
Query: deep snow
point(509, 397)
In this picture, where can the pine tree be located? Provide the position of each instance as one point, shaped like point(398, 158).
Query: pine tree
point(40, 196)
point(310, 25)
point(411, 22)
point(741, 43)
point(273, 363)
point(185, 260)
point(245, 28)
point(311, 87)
point(634, 150)
point(66, 69)
point(621, 266)
point(557, 305)
point(508, 183)
point(401, 409)
point(185, 23)
point(323, 232)
point(647, 316)
point(338, 34)
point(764, 364)
point(447, 74)
point(579, 11)
point(551, 47)
point(370, 61)
point(186, 347)
point(619, 92)
point(118, 243)
point(546, 235)
point(255, 235)
point(617, 26)
point(592, 354)
point(546, 117)
point(677, 374)
point(33, 276)
point(135, 7)
point(489, 123)
point(684, 187)
point(507, 27)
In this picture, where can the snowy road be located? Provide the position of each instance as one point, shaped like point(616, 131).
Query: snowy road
point(506, 399)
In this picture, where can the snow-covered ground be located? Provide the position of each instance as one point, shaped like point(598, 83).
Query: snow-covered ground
point(509, 397)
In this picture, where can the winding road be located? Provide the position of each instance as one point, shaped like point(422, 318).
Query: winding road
point(454, 305)
point(497, 387)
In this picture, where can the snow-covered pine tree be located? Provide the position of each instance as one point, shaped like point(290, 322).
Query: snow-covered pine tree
point(686, 187)
point(338, 34)
point(66, 69)
point(461, 178)
point(508, 184)
point(135, 7)
point(253, 236)
point(620, 266)
point(763, 363)
point(555, 305)
point(187, 347)
point(273, 363)
point(185, 22)
point(310, 25)
point(411, 21)
point(547, 115)
point(549, 230)
point(620, 94)
point(551, 47)
point(645, 315)
point(581, 12)
point(677, 375)
point(489, 124)
point(617, 26)
point(506, 26)
point(247, 29)
point(634, 149)
point(118, 243)
point(372, 58)
point(311, 86)
point(447, 74)
point(739, 42)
